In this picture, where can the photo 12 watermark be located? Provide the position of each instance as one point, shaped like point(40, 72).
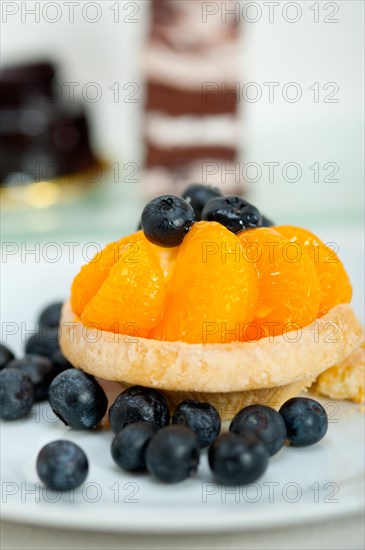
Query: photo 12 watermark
point(271, 171)
point(272, 492)
point(271, 12)
point(91, 492)
point(71, 91)
point(38, 174)
point(120, 12)
point(272, 92)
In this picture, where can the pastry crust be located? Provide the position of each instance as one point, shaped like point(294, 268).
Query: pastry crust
point(292, 360)
point(345, 380)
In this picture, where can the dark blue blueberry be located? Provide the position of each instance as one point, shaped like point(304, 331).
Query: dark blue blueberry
point(40, 370)
point(16, 394)
point(139, 404)
point(233, 212)
point(173, 454)
point(198, 194)
point(238, 459)
point(266, 222)
point(50, 316)
point(60, 362)
point(167, 219)
point(305, 419)
point(130, 444)
point(77, 399)
point(267, 424)
point(200, 417)
point(44, 342)
point(62, 465)
point(5, 356)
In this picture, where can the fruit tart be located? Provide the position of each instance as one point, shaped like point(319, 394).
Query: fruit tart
point(211, 301)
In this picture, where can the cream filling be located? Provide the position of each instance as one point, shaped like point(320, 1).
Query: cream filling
point(189, 131)
point(192, 70)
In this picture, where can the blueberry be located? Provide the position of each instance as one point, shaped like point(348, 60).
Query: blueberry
point(233, 212)
point(16, 394)
point(305, 419)
point(44, 342)
point(130, 444)
point(166, 220)
point(60, 362)
point(238, 459)
point(266, 222)
point(198, 194)
point(173, 454)
point(62, 465)
point(77, 399)
point(138, 404)
point(5, 356)
point(267, 424)
point(200, 417)
point(50, 316)
point(40, 370)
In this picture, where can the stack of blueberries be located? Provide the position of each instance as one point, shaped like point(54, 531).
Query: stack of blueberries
point(33, 373)
point(168, 218)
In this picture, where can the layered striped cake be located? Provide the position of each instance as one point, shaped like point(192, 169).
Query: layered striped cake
point(191, 123)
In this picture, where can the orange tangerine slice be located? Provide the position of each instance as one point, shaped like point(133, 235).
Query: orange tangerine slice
point(212, 292)
point(131, 298)
point(289, 285)
point(335, 283)
point(92, 275)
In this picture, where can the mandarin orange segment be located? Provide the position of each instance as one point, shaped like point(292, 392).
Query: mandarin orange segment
point(131, 299)
point(213, 292)
point(166, 257)
point(92, 275)
point(289, 285)
point(335, 283)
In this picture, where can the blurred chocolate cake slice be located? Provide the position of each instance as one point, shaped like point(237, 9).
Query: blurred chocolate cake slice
point(191, 122)
point(42, 137)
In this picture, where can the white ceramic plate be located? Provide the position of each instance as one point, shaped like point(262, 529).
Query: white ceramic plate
point(300, 485)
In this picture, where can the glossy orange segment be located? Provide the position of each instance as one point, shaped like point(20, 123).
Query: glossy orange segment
point(166, 257)
point(131, 299)
point(212, 292)
point(290, 291)
point(335, 283)
point(92, 275)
